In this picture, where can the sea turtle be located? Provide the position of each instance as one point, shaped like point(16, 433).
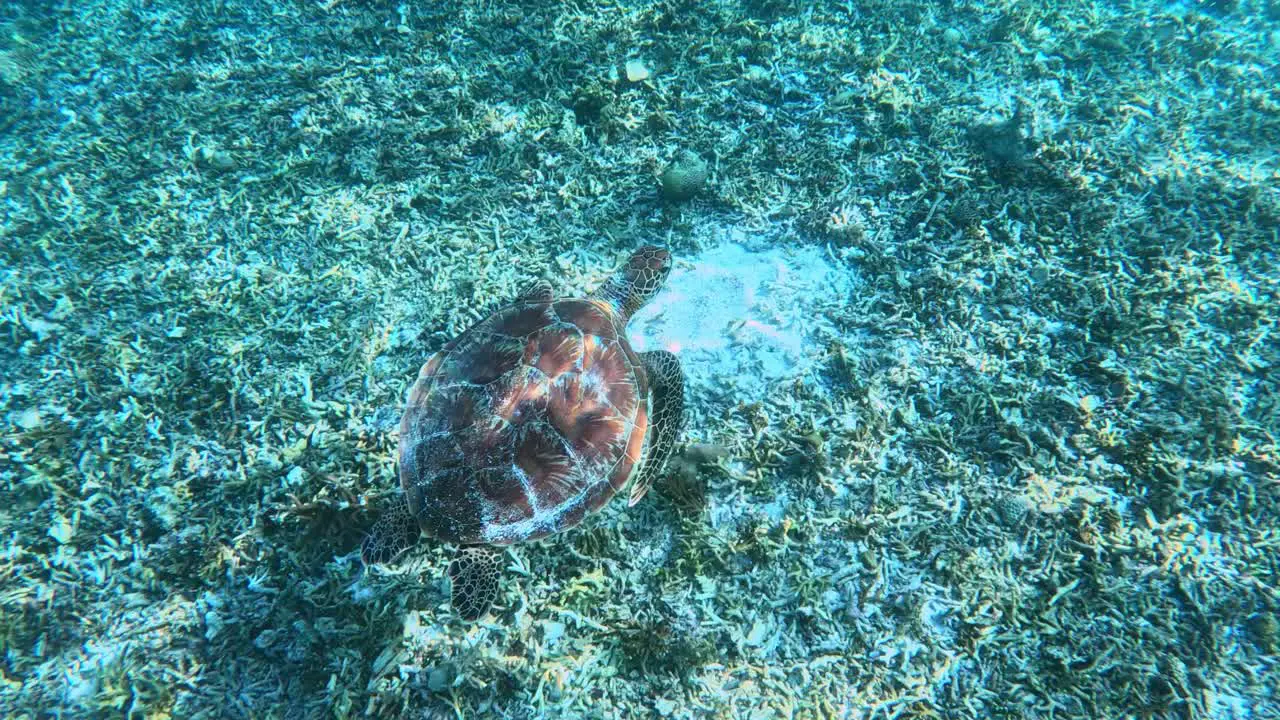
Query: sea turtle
point(528, 421)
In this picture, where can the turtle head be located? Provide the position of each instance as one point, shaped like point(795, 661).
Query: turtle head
point(637, 280)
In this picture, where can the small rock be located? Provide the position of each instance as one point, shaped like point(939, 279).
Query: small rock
point(41, 328)
point(213, 624)
point(684, 177)
point(266, 639)
point(220, 160)
point(636, 71)
point(62, 309)
point(61, 529)
point(552, 632)
point(28, 419)
point(438, 680)
point(757, 74)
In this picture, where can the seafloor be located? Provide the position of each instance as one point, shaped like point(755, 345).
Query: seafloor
point(978, 306)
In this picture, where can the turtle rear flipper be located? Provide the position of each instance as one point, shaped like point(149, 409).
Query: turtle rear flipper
point(474, 573)
point(396, 531)
point(666, 414)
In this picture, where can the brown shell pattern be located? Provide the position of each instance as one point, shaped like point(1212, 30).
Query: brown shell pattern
point(524, 424)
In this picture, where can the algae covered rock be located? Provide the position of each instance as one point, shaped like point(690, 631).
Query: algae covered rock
point(684, 177)
point(1264, 630)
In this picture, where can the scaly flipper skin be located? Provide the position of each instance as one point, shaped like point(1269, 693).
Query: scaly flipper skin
point(666, 414)
point(536, 291)
point(395, 532)
point(474, 573)
point(639, 279)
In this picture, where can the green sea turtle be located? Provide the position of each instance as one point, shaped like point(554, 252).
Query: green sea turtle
point(528, 421)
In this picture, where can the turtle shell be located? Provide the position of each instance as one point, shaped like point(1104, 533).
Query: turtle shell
point(524, 424)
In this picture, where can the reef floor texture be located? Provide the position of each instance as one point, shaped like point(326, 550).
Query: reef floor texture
point(977, 303)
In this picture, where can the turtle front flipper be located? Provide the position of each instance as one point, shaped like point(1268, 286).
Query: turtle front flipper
point(666, 413)
point(396, 531)
point(474, 573)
